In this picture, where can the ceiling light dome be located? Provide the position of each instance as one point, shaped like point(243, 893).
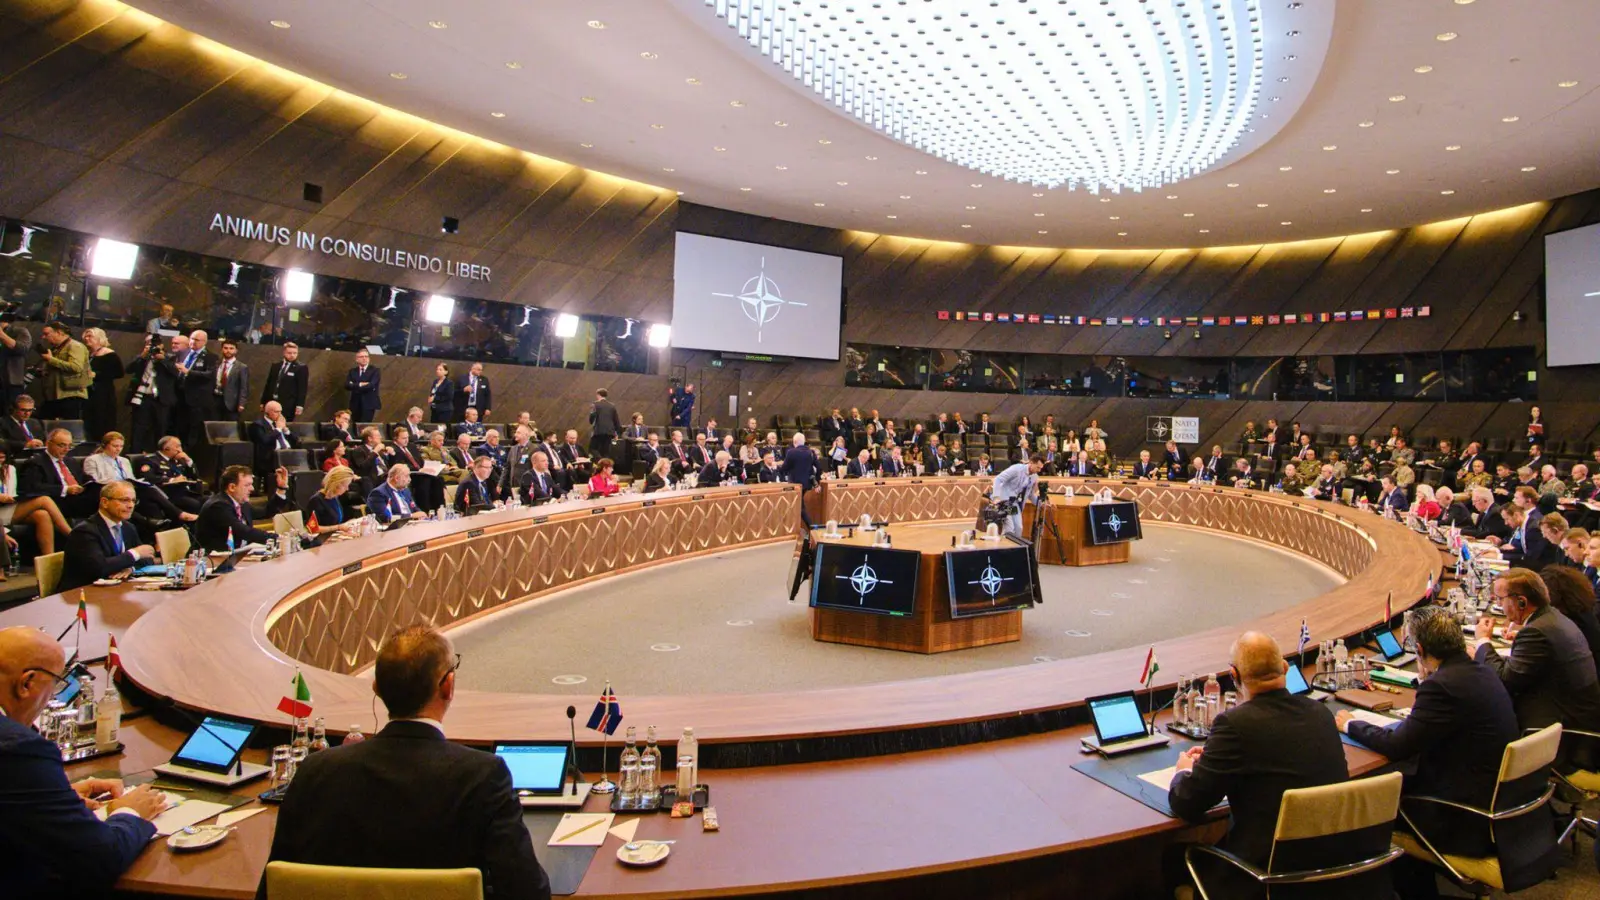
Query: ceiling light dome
point(1138, 94)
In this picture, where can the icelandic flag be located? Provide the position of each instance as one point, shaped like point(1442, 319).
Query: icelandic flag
point(1305, 636)
point(607, 713)
point(1151, 667)
point(297, 703)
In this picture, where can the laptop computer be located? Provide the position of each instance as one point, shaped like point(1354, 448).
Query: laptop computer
point(1119, 726)
point(232, 562)
point(211, 754)
point(539, 773)
point(1393, 653)
point(1298, 686)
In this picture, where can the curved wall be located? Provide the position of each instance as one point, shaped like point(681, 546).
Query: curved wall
point(116, 123)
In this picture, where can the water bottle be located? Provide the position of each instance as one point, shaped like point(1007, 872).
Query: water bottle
point(1213, 699)
point(689, 745)
point(319, 736)
point(86, 706)
point(1180, 702)
point(649, 766)
point(628, 770)
point(108, 718)
point(1340, 653)
point(353, 736)
point(1195, 704)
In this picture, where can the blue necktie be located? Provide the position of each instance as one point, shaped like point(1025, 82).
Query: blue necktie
point(116, 538)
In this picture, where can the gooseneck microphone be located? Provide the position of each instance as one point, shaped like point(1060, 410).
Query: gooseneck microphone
point(572, 756)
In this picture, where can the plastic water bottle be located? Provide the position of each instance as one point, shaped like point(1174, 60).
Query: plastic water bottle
point(689, 745)
point(649, 766)
point(108, 717)
point(628, 770)
point(1180, 702)
point(1341, 654)
point(353, 736)
point(319, 736)
point(1213, 699)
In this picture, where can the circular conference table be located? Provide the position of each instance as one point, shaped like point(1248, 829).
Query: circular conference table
point(231, 647)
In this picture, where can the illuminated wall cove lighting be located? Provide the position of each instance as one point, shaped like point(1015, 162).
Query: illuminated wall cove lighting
point(1121, 94)
point(113, 259)
point(439, 309)
point(297, 286)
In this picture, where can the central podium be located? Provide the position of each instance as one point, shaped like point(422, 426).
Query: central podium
point(928, 626)
point(1071, 542)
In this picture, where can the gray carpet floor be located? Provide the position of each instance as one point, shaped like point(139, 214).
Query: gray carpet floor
point(723, 624)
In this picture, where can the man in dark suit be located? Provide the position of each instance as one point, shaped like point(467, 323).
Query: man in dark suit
point(519, 459)
point(197, 373)
point(1216, 465)
point(1453, 514)
point(1457, 732)
point(1551, 672)
point(1487, 519)
point(474, 393)
point(368, 459)
point(269, 434)
point(173, 471)
point(1146, 468)
point(861, 466)
point(153, 391)
point(604, 426)
point(1392, 496)
point(799, 463)
point(231, 387)
point(51, 843)
point(364, 382)
point(1272, 742)
point(650, 451)
point(893, 465)
point(228, 513)
point(392, 500)
point(721, 470)
point(831, 426)
point(538, 484)
point(47, 475)
point(1081, 466)
point(478, 488)
point(286, 382)
point(769, 473)
point(679, 454)
point(15, 342)
point(107, 544)
point(700, 453)
point(21, 432)
point(406, 797)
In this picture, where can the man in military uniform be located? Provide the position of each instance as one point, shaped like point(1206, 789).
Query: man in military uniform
point(1326, 487)
point(1293, 482)
point(173, 471)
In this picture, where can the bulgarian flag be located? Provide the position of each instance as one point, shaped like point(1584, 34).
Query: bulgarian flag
point(1151, 667)
point(113, 658)
point(297, 703)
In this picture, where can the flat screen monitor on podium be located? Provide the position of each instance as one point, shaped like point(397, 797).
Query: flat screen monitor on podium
point(866, 579)
point(989, 580)
point(1113, 523)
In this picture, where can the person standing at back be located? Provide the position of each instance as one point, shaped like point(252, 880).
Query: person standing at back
point(64, 385)
point(364, 383)
point(1271, 742)
point(407, 797)
point(604, 425)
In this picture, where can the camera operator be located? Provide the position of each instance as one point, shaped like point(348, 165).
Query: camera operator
point(65, 376)
point(15, 342)
point(153, 391)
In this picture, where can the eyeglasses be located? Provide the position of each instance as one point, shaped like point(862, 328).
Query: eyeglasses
point(452, 670)
point(59, 679)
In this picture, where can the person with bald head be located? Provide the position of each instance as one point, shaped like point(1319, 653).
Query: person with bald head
point(197, 375)
point(1273, 741)
point(105, 545)
point(51, 843)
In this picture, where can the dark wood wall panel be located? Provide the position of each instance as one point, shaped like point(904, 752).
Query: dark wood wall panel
point(113, 122)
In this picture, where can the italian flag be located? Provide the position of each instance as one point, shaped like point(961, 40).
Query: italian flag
point(1151, 667)
point(297, 703)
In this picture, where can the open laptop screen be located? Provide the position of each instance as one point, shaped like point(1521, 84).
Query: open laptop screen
point(538, 767)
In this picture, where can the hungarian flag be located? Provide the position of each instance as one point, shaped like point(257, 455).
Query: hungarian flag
point(113, 658)
point(1151, 667)
point(297, 703)
point(607, 713)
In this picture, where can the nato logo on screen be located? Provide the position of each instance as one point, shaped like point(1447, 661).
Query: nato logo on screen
point(738, 297)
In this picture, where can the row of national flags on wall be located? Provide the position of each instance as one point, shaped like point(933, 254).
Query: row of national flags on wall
point(1304, 318)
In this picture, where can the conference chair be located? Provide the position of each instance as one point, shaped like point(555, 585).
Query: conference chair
point(48, 569)
point(226, 446)
point(1328, 833)
point(297, 460)
point(289, 522)
point(302, 881)
point(304, 432)
point(302, 485)
point(1525, 845)
point(173, 544)
point(74, 427)
point(1585, 782)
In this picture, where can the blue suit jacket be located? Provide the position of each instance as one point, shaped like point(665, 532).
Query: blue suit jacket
point(92, 553)
point(381, 502)
point(799, 466)
point(1396, 500)
point(50, 844)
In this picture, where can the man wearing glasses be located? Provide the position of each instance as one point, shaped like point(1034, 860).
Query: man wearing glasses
point(48, 475)
point(20, 430)
point(51, 844)
point(105, 545)
point(406, 797)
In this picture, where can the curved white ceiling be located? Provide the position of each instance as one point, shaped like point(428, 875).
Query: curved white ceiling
point(1418, 111)
point(1126, 94)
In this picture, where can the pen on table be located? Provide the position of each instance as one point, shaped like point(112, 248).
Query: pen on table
point(572, 834)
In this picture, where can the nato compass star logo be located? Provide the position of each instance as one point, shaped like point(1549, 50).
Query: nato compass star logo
point(1160, 429)
point(761, 300)
point(1115, 523)
point(862, 580)
point(990, 580)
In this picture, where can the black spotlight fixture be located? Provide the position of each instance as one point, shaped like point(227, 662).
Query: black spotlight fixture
point(312, 193)
point(1166, 335)
point(450, 225)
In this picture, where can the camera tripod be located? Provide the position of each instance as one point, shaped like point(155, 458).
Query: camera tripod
point(1042, 520)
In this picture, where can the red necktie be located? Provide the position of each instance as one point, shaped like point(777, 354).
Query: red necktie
point(66, 475)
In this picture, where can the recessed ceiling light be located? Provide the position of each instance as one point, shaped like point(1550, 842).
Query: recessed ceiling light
point(966, 226)
point(1463, 2)
point(513, 65)
point(746, 190)
point(1043, 231)
point(596, 24)
point(1122, 234)
point(781, 123)
point(1423, 70)
point(1330, 146)
point(668, 169)
point(1105, 199)
point(922, 171)
point(1452, 147)
point(1566, 84)
point(1391, 172)
point(1172, 196)
point(586, 145)
point(824, 141)
point(842, 183)
point(647, 55)
point(893, 216)
point(736, 104)
point(1188, 215)
point(1364, 124)
point(1116, 218)
point(1233, 184)
point(657, 126)
point(1446, 36)
point(1038, 215)
point(439, 23)
point(972, 207)
point(1285, 223)
point(1039, 195)
point(587, 99)
point(1330, 190)
point(1286, 168)
point(905, 196)
point(1367, 209)
point(1261, 205)
point(1396, 98)
point(781, 168)
point(1205, 231)
point(1447, 193)
point(498, 115)
point(693, 82)
point(279, 23)
point(680, 193)
point(977, 185)
point(720, 149)
point(819, 204)
point(398, 76)
point(1509, 119)
point(872, 159)
point(1529, 168)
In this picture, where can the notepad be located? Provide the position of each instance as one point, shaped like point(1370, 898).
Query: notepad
point(581, 830)
point(180, 815)
point(1161, 778)
point(1372, 718)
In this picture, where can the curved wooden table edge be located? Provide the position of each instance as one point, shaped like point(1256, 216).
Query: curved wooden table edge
point(999, 694)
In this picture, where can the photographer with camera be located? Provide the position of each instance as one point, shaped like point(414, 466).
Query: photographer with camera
point(153, 392)
point(65, 376)
point(15, 342)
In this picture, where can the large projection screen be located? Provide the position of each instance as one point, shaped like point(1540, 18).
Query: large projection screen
point(1572, 297)
point(738, 297)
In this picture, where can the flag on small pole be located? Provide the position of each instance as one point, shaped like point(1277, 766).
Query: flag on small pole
point(1305, 638)
point(606, 717)
point(297, 703)
point(1388, 607)
point(1151, 667)
point(113, 658)
point(83, 608)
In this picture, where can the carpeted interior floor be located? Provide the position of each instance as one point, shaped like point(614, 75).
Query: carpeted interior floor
point(722, 624)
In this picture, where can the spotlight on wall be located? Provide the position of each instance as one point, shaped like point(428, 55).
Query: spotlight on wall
point(1516, 316)
point(297, 286)
point(113, 259)
point(1166, 335)
point(439, 309)
point(566, 325)
point(450, 225)
point(1197, 334)
point(659, 335)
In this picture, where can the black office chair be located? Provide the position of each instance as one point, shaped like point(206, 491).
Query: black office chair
point(294, 460)
point(73, 427)
point(304, 432)
point(225, 446)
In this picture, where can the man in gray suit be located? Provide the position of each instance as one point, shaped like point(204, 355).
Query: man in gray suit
point(15, 342)
point(232, 384)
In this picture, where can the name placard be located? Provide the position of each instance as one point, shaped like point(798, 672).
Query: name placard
point(649, 503)
point(417, 547)
point(476, 532)
point(540, 520)
point(597, 511)
point(351, 569)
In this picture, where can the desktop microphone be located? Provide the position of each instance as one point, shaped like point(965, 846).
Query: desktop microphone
point(572, 766)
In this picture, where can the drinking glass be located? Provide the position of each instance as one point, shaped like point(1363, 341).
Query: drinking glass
point(1230, 700)
point(282, 766)
point(67, 730)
